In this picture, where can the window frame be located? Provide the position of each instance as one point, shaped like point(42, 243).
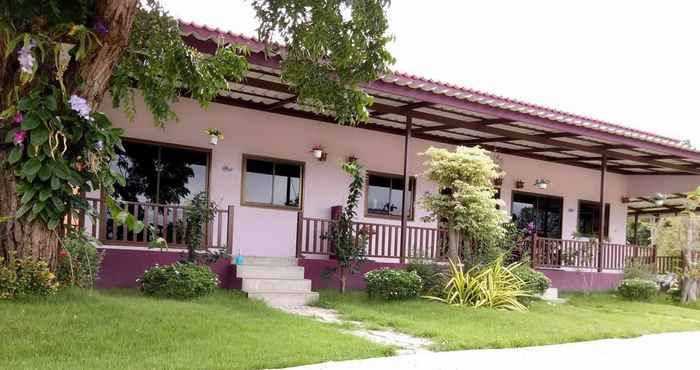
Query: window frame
point(207, 151)
point(274, 161)
point(555, 197)
point(412, 182)
point(606, 216)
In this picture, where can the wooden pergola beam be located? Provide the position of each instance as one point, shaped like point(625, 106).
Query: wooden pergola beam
point(603, 150)
point(405, 108)
point(281, 103)
point(507, 139)
point(494, 121)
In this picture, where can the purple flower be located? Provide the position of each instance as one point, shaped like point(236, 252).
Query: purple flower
point(80, 106)
point(18, 118)
point(20, 137)
point(26, 58)
point(99, 145)
point(100, 29)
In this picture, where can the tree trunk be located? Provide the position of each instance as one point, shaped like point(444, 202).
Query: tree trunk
point(343, 279)
point(689, 284)
point(34, 239)
point(453, 237)
point(24, 239)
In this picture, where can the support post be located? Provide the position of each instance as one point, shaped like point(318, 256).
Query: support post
point(601, 229)
point(300, 227)
point(406, 184)
point(533, 250)
point(229, 232)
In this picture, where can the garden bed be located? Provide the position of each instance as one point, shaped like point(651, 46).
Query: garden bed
point(80, 329)
point(596, 316)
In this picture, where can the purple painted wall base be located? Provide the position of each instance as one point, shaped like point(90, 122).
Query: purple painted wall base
point(315, 271)
point(582, 281)
point(120, 267)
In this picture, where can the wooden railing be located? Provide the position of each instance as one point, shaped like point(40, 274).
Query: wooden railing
point(384, 240)
point(167, 221)
point(558, 253)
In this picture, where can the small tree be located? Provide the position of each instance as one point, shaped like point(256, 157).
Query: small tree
point(198, 213)
point(465, 196)
point(690, 274)
point(349, 243)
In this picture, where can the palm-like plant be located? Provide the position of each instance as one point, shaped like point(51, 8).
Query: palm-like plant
point(493, 286)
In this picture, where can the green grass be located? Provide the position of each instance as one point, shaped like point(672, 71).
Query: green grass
point(591, 317)
point(125, 330)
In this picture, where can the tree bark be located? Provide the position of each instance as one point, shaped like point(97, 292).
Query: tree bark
point(689, 284)
point(453, 237)
point(34, 239)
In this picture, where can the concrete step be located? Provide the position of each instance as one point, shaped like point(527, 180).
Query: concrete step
point(272, 285)
point(269, 261)
point(285, 299)
point(269, 272)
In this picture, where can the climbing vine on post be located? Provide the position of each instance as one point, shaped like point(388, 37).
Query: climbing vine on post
point(348, 242)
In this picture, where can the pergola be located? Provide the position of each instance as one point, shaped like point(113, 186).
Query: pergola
point(415, 107)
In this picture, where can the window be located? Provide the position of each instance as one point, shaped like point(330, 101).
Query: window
point(272, 182)
point(544, 212)
point(160, 174)
point(589, 218)
point(385, 195)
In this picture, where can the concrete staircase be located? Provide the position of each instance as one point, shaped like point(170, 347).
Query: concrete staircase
point(277, 281)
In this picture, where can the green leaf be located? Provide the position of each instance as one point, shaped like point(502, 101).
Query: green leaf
point(55, 183)
point(31, 167)
point(121, 218)
point(45, 194)
point(50, 102)
point(38, 207)
point(58, 204)
point(39, 136)
point(23, 210)
point(53, 223)
point(28, 195)
point(10, 136)
point(45, 172)
point(59, 169)
point(137, 227)
point(31, 122)
point(15, 154)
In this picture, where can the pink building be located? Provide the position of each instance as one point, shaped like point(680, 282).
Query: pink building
point(276, 196)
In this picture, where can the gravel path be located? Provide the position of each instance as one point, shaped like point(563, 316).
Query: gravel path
point(653, 352)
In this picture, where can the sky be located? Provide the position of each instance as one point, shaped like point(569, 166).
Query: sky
point(628, 62)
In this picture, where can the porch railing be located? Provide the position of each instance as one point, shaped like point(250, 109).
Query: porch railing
point(167, 221)
point(559, 253)
point(384, 240)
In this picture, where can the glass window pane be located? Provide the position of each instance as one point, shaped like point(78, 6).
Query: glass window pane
point(379, 195)
point(183, 175)
point(137, 164)
point(258, 181)
point(544, 212)
point(287, 185)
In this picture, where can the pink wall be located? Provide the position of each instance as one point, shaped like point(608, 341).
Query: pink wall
point(270, 232)
point(649, 185)
point(582, 281)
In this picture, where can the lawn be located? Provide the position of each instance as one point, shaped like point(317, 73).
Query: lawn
point(125, 330)
point(583, 318)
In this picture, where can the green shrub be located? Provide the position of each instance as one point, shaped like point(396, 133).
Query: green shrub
point(430, 273)
point(79, 261)
point(25, 277)
point(492, 286)
point(637, 289)
point(635, 269)
point(181, 280)
point(393, 284)
point(535, 281)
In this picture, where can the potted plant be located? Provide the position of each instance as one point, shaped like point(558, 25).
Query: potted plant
point(318, 152)
point(214, 135)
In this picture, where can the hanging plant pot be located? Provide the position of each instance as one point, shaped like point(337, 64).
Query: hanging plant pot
point(213, 139)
